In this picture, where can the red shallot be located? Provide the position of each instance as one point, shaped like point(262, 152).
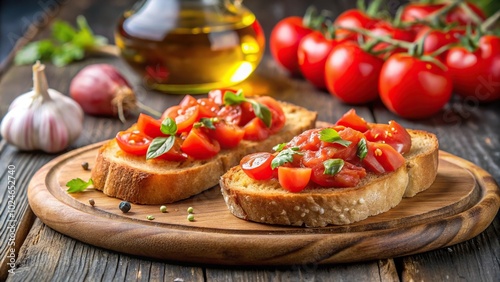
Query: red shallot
point(101, 89)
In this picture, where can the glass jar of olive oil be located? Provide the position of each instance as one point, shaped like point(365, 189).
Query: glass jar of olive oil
point(190, 46)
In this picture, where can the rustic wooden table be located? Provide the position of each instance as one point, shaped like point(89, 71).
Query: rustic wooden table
point(467, 130)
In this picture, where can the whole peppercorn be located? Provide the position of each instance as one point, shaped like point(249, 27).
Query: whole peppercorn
point(91, 202)
point(85, 165)
point(124, 206)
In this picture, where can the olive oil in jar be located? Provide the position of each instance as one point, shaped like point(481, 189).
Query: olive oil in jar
point(190, 47)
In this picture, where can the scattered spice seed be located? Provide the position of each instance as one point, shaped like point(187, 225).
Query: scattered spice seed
point(190, 217)
point(150, 217)
point(85, 165)
point(163, 209)
point(91, 202)
point(124, 206)
point(190, 210)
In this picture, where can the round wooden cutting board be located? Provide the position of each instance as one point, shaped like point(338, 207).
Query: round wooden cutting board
point(460, 204)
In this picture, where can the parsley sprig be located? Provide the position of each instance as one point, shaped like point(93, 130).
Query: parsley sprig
point(78, 185)
point(161, 145)
point(66, 45)
point(260, 110)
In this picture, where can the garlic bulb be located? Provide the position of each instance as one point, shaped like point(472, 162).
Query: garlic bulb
point(42, 119)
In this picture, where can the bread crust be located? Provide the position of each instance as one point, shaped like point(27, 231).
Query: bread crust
point(136, 180)
point(267, 202)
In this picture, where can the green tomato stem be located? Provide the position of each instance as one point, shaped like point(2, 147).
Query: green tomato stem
point(387, 39)
point(475, 18)
point(489, 22)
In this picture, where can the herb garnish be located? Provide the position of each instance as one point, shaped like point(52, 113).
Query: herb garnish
point(331, 135)
point(285, 156)
point(362, 149)
point(333, 166)
point(161, 145)
point(66, 45)
point(206, 122)
point(260, 110)
point(78, 185)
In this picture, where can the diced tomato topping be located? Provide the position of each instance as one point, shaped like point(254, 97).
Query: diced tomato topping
point(228, 135)
point(184, 117)
point(294, 179)
point(256, 130)
point(382, 158)
point(393, 134)
point(349, 176)
point(258, 166)
point(133, 142)
point(277, 115)
point(149, 126)
point(352, 120)
point(175, 154)
point(199, 146)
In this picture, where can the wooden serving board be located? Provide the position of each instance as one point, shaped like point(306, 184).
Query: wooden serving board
point(461, 203)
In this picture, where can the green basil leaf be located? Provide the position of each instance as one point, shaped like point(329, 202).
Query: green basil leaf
point(34, 51)
point(231, 98)
point(78, 185)
point(331, 135)
point(168, 126)
point(84, 37)
point(362, 150)
point(262, 112)
point(160, 146)
point(66, 54)
point(279, 147)
point(333, 166)
point(206, 122)
point(285, 156)
point(62, 31)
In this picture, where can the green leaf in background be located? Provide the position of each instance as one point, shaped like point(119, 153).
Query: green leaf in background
point(34, 51)
point(62, 31)
point(488, 6)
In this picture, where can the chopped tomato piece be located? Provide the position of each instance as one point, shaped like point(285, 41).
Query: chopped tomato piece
point(184, 117)
point(188, 101)
point(258, 166)
point(349, 176)
point(217, 95)
point(256, 130)
point(133, 142)
point(199, 146)
point(294, 179)
point(175, 153)
point(208, 108)
point(228, 135)
point(231, 114)
point(247, 113)
point(382, 158)
point(149, 126)
point(352, 120)
point(393, 134)
point(278, 118)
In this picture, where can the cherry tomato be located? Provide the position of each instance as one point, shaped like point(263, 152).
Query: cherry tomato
point(217, 95)
point(476, 74)
point(149, 126)
point(247, 113)
point(188, 101)
point(418, 11)
point(207, 108)
point(184, 117)
point(460, 16)
point(383, 28)
point(382, 158)
point(352, 18)
point(413, 88)
point(435, 39)
point(312, 53)
point(278, 117)
point(230, 114)
point(258, 166)
point(133, 142)
point(284, 42)
point(228, 135)
point(256, 130)
point(199, 146)
point(294, 179)
point(175, 153)
point(351, 74)
point(392, 134)
point(352, 120)
point(349, 176)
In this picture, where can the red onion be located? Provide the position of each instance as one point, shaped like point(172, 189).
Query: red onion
point(101, 89)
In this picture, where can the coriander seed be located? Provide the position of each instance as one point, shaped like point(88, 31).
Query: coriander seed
point(163, 209)
point(91, 202)
point(124, 206)
point(190, 217)
point(190, 210)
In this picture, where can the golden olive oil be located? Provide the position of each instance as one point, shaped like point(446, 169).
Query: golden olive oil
point(190, 51)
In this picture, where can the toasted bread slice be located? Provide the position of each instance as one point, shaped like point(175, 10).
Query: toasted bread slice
point(268, 202)
point(134, 179)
